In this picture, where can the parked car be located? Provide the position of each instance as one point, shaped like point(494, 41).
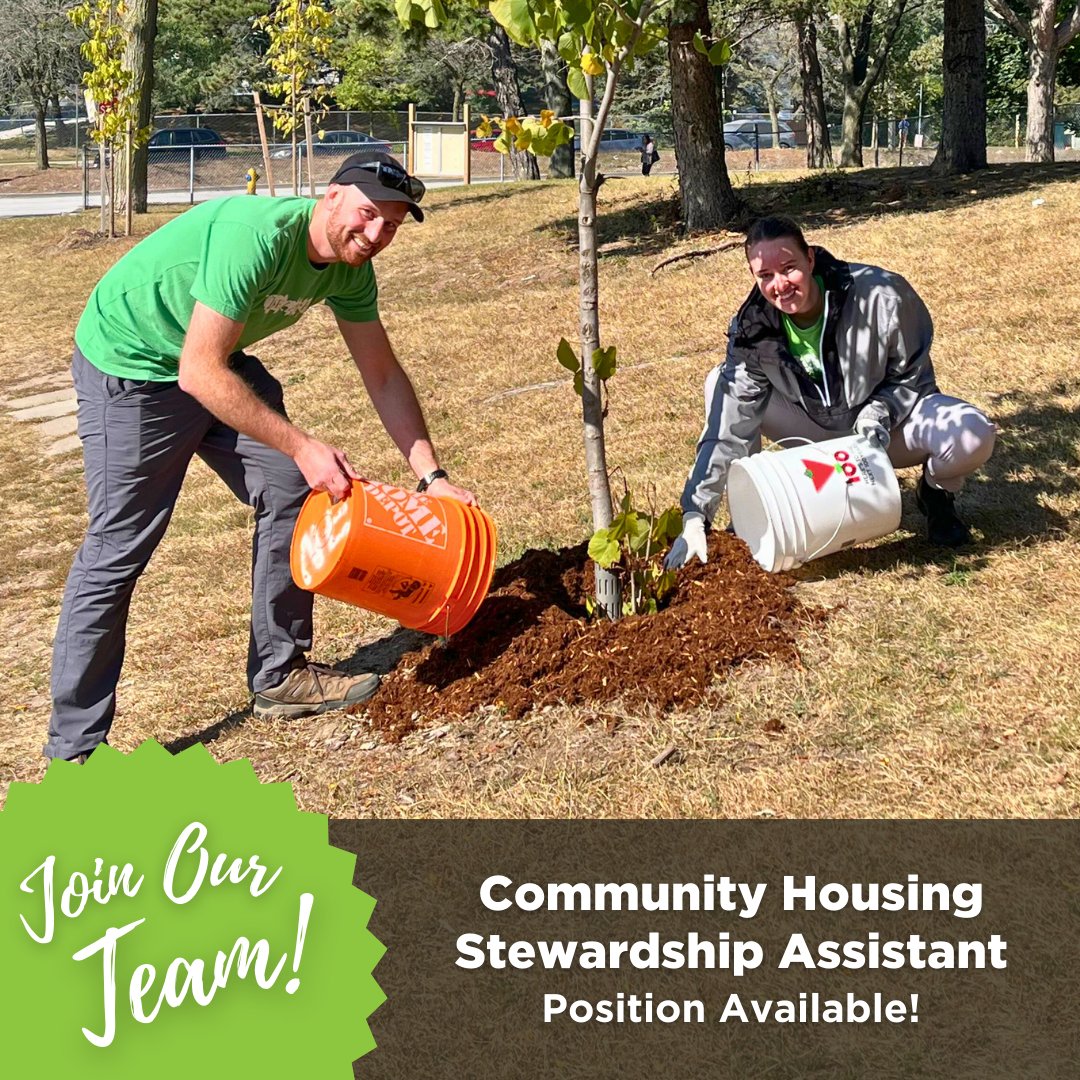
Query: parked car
point(171, 144)
point(745, 129)
point(335, 142)
point(175, 144)
point(616, 139)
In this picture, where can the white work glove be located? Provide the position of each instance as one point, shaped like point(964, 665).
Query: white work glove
point(870, 424)
point(689, 543)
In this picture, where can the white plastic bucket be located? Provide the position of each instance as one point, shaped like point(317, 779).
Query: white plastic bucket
point(798, 504)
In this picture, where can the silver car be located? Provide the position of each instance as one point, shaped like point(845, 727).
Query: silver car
point(744, 131)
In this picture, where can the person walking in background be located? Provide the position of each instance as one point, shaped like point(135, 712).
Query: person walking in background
point(649, 156)
point(822, 348)
point(162, 374)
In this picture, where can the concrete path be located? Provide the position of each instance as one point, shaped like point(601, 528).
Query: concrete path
point(50, 412)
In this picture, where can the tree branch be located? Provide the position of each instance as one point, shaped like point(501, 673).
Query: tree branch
point(1011, 19)
point(1068, 28)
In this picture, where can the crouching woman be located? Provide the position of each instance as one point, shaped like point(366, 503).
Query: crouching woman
point(823, 348)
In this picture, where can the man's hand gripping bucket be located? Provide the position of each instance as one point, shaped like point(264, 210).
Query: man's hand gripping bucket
point(807, 501)
point(424, 561)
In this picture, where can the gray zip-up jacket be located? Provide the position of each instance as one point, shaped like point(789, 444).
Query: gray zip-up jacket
point(875, 353)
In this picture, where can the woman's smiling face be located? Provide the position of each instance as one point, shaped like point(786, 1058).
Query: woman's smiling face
point(785, 275)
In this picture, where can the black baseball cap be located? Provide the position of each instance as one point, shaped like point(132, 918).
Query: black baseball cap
point(382, 178)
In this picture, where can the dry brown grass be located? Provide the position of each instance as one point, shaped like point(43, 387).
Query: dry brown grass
point(940, 687)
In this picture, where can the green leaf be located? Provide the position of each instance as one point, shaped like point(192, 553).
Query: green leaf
point(604, 548)
point(699, 43)
point(566, 356)
point(720, 53)
point(515, 17)
point(668, 525)
point(603, 362)
point(579, 382)
point(638, 532)
point(569, 47)
point(624, 505)
point(575, 80)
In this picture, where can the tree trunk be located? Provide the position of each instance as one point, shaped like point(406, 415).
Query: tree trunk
point(1042, 74)
point(608, 598)
point(861, 67)
point(41, 135)
point(557, 96)
point(774, 116)
point(455, 108)
point(139, 60)
point(851, 129)
point(60, 131)
point(963, 123)
point(708, 201)
point(504, 76)
point(818, 143)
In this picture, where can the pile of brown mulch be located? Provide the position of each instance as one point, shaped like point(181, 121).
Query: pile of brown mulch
point(531, 643)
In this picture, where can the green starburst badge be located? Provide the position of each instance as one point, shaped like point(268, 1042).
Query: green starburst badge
point(171, 917)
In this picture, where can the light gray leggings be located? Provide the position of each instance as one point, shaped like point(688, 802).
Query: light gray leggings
point(949, 437)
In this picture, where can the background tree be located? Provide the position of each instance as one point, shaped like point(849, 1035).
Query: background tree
point(818, 139)
point(204, 51)
point(862, 33)
point(298, 54)
point(141, 27)
point(708, 201)
point(504, 78)
point(963, 123)
point(39, 61)
point(1046, 27)
point(558, 99)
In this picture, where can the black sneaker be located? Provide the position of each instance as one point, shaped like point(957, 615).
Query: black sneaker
point(943, 527)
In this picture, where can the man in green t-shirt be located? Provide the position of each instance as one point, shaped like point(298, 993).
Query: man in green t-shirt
point(161, 375)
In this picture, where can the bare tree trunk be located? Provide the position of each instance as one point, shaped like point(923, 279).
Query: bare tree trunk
point(504, 76)
point(708, 201)
point(139, 60)
point(861, 67)
point(1042, 75)
point(963, 124)
point(455, 108)
point(557, 96)
point(41, 140)
point(851, 130)
point(60, 131)
point(770, 103)
point(818, 143)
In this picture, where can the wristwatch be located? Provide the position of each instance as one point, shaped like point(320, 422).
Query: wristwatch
point(427, 481)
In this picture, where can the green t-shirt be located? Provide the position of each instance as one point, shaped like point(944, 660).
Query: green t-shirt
point(246, 258)
point(805, 343)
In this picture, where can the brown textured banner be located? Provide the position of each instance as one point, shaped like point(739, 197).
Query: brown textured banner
point(723, 949)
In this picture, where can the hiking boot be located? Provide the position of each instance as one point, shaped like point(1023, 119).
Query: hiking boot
point(943, 527)
point(313, 688)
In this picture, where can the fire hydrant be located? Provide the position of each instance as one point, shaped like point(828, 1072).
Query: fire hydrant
point(252, 178)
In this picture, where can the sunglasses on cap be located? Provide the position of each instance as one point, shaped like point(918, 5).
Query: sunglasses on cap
point(390, 175)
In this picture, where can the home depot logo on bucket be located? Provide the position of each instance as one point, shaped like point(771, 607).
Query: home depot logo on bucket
point(820, 472)
point(411, 517)
point(321, 539)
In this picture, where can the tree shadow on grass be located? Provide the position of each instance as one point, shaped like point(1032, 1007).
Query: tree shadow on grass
point(651, 226)
point(1035, 464)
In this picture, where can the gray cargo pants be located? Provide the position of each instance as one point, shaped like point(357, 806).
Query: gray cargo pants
point(138, 438)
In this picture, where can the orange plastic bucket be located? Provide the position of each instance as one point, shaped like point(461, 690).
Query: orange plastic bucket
point(476, 576)
point(424, 561)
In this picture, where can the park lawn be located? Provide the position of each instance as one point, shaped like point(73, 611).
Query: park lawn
point(940, 686)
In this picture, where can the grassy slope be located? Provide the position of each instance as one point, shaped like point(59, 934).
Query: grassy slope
point(940, 687)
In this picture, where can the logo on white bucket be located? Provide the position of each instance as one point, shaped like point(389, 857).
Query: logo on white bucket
point(821, 472)
point(321, 539)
